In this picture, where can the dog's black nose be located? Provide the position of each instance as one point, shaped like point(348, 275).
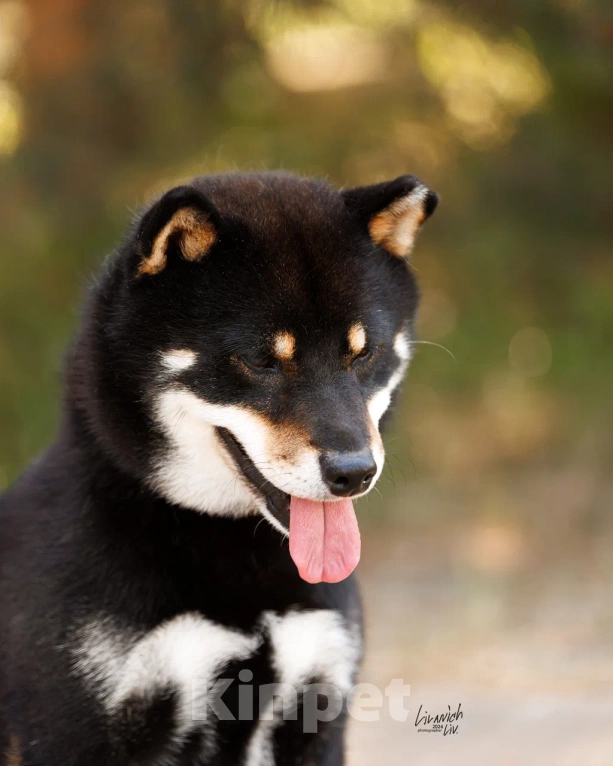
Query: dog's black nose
point(348, 473)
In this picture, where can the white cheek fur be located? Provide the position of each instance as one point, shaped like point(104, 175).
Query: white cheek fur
point(197, 471)
point(380, 400)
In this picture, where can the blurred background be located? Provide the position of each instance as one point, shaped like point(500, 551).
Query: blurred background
point(488, 561)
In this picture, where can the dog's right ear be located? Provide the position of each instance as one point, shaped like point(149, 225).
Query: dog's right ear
point(184, 220)
point(392, 212)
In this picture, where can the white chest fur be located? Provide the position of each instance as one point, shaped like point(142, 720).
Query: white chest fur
point(188, 653)
point(306, 645)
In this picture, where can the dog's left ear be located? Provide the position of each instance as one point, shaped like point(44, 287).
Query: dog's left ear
point(182, 222)
point(392, 211)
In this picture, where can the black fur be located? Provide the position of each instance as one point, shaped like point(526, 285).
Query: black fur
point(83, 532)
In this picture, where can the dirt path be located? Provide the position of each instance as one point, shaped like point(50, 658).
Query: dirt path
point(496, 730)
point(531, 665)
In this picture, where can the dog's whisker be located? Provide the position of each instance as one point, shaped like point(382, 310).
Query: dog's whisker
point(401, 465)
point(393, 439)
point(257, 526)
point(431, 343)
point(390, 476)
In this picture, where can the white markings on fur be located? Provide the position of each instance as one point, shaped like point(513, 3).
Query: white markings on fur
point(378, 453)
point(187, 474)
point(196, 471)
point(380, 401)
point(315, 645)
point(178, 359)
point(101, 647)
point(188, 653)
point(402, 347)
point(185, 654)
point(260, 748)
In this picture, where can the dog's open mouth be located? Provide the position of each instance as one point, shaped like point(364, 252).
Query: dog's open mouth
point(324, 536)
point(277, 501)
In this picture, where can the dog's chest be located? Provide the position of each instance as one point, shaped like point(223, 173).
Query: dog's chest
point(201, 663)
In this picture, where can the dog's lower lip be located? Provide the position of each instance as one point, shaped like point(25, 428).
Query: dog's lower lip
point(277, 501)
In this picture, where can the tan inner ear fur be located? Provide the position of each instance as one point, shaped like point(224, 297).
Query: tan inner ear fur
point(396, 227)
point(198, 235)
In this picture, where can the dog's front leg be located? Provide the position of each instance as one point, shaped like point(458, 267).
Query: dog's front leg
point(293, 746)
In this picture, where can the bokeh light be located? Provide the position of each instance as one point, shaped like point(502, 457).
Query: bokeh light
point(530, 352)
point(485, 85)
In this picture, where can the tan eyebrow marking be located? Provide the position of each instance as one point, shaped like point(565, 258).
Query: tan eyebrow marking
point(357, 338)
point(284, 345)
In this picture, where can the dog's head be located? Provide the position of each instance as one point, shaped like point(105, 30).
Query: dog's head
point(250, 335)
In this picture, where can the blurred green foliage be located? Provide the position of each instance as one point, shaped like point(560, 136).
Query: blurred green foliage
point(503, 107)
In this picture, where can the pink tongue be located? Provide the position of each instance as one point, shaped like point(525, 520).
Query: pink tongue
point(324, 539)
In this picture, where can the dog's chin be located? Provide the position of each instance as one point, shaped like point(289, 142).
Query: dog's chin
point(277, 501)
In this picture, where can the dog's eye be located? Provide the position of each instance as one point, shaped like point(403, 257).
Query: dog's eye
point(363, 356)
point(265, 364)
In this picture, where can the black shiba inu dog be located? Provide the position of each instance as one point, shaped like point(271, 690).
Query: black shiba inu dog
point(226, 390)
